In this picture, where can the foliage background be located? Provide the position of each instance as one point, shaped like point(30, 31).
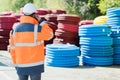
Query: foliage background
point(105, 4)
point(86, 9)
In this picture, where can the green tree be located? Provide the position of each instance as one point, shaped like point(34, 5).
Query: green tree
point(5, 5)
point(40, 3)
point(105, 4)
point(78, 7)
point(87, 9)
point(55, 4)
point(17, 4)
point(93, 9)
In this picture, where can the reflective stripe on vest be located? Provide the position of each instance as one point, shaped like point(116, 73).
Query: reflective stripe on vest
point(29, 65)
point(42, 23)
point(35, 33)
point(29, 44)
point(12, 47)
point(35, 43)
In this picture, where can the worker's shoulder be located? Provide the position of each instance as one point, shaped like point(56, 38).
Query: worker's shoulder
point(27, 27)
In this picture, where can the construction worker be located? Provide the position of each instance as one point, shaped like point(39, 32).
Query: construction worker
point(27, 46)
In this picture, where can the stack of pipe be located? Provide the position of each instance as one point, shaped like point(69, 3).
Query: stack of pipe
point(6, 23)
point(67, 31)
point(114, 21)
point(96, 45)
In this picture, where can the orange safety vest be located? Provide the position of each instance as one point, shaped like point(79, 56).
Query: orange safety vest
point(26, 42)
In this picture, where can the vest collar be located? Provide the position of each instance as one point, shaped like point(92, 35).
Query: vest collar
point(28, 19)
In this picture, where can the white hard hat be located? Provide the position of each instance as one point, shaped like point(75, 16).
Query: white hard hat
point(29, 9)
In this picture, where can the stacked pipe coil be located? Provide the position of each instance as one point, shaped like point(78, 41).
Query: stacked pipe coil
point(62, 55)
point(95, 45)
point(6, 23)
point(52, 22)
point(42, 11)
point(17, 16)
point(113, 16)
point(58, 11)
point(67, 29)
point(6, 13)
point(51, 18)
point(85, 22)
point(114, 21)
point(100, 20)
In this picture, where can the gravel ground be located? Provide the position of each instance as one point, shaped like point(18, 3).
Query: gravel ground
point(7, 71)
point(83, 73)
